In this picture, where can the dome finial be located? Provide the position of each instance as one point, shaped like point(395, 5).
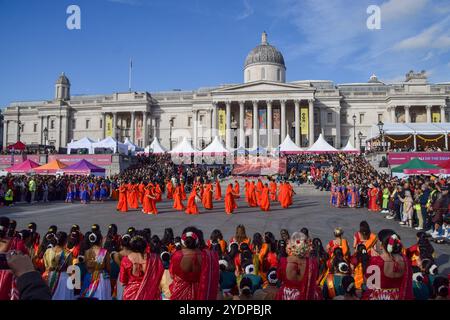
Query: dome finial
point(264, 38)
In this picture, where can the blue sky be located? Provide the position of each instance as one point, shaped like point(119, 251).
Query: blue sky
point(187, 44)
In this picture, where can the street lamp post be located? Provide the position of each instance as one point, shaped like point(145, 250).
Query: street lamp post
point(354, 129)
point(380, 128)
point(360, 140)
point(19, 129)
point(170, 132)
point(45, 132)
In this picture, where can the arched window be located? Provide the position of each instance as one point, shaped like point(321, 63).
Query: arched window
point(263, 73)
point(278, 74)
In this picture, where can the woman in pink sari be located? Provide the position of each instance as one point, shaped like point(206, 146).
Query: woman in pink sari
point(141, 272)
point(194, 269)
point(389, 273)
point(298, 272)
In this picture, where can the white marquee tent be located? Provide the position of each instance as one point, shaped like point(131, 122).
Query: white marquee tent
point(131, 146)
point(111, 143)
point(184, 147)
point(84, 143)
point(349, 148)
point(322, 146)
point(215, 147)
point(289, 146)
point(155, 147)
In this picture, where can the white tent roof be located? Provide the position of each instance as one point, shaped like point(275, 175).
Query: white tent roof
point(349, 147)
point(111, 143)
point(84, 143)
point(321, 145)
point(215, 146)
point(288, 146)
point(410, 128)
point(155, 147)
point(184, 147)
point(131, 146)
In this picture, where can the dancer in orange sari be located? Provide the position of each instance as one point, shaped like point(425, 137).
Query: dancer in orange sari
point(218, 191)
point(259, 188)
point(264, 203)
point(146, 200)
point(283, 195)
point(169, 189)
point(246, 190)
point(183, 190)
point(191, 204)
point(366, 237)
point(133, 196)
point(207, 199)
point(237, 189)
point(273, 190)
point(252, 200)
point(373, 199)
point(122, 205)
point(230, 203)
point(177, 201)
point(141, 190)
point(158, 193)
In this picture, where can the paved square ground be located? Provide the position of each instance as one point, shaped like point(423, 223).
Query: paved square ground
point(311, 209)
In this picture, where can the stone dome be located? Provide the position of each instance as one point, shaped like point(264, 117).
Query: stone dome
point(264, 53)
point(63, 80)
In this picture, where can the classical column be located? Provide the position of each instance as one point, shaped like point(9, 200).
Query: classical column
point(338, 127)
point(255, 124)
point(283, 119)
point(311, 122)
point(133, 126)
point(269, 124)
point(42, 129)
point(297, 121)
point(228, 124)
point(144, 129)
point(393, 120)
point(214, 120)
point(442, 113)
point(429, 120)
point(241, 124)
point(104, 125)
point(5, 133)
point(194, 128)
point(407, 116)
point(114, 125)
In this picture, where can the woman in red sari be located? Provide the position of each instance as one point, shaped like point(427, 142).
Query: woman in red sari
point(252, 200)
point(264, 203)
point(207, 199)
point(141, 272)
point(230, 202)
point(373, 199)
point(194, 269)
point(273, 190)
point(218, 191)
point(366, 237)
point(389, 273)
point(237, 189)
point(158, 193)
point(298, 272)
point(122, 205)
point(192, 207)
point(177, 199)
point(169, 188)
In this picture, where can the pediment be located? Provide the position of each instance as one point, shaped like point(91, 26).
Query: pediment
point(261, 86)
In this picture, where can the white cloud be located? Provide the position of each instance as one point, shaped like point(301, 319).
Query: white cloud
point(428, 56)
point(431, 37)
point(399, 9)
point(248, 11)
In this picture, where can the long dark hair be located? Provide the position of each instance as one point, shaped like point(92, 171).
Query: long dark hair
point(387, 235)
point(362, 256)
point(257, 241)
point(168, 237)
point(364, 229)
point(269, 238)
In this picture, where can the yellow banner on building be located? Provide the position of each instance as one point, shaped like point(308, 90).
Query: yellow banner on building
point(436, 117)
point(222, 122)
point(109, 126)
point(304, 121)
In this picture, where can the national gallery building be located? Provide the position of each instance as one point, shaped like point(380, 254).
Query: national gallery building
point(261, 111)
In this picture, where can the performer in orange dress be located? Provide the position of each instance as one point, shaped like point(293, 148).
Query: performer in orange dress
point(252, 200)
point(273, 190)
point(218, 191)
point(158, 193)
point(141, 190)
point(133, 196)
point(259, 188)
point(122, 204)
point(183, 190)
point(366, 237)
point(264, 203)
point(246, 190)
point(237, 189)
point(230, 203)
point(169, 188)
point(146, 200)
point(207, 199)
point(191, 204)
point(177, 201)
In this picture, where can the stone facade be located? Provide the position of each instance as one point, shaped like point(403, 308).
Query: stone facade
point(338, 111)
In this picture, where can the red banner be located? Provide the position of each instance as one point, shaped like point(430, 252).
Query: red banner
point(259, 166)
point(396, 158)
point(101, 160)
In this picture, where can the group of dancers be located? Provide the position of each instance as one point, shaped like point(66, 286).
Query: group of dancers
point(132, 195)
point(87, 191)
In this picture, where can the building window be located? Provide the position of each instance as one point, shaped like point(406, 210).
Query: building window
point(189, 121)
point(329, 117)
point(35, 127)
point(361, 118)
point(87, 124)
point(202, 117)
point(344, 117)
point(52, 124)
point(101, 123)
point(74, 123)
point(380, 117)
point(263, 73)
point(278, 74)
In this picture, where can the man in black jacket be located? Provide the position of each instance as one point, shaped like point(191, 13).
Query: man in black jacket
point(30, 284)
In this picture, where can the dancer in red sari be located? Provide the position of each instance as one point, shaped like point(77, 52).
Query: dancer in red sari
point(207, 199)
point(169, 188)
point(218, 191)
point(230, 202)
point(298, 272)
point(194, 270)
point(246, 190)
point(141, 192)
point(273, 190)
point(237, 189)
point(264, 203)
point(183, 190)
point(259, 188)
point(158, 193)
point(122, 205)
point(141, 272)
point(373, 199)
point(177, 200)
point(192, 207)
point(252, 199)
point(389, 274)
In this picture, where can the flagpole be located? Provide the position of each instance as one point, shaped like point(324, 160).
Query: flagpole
point(129, 75)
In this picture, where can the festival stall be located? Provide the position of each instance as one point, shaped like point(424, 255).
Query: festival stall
point(349, 148)
point(184, 148)
point(131, 146)
point(240, 152)
point(84, 167)
point(415, 167)
point(288, 147)
point(321, 146)
point(111, 144)
point(53, 167)
point(84, 143)
point(155, 147)
point(25, 167)
point(18, 146)
point(214, 148)
point(259, 151)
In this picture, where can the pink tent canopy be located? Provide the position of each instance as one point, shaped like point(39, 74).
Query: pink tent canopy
point(22, 168)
